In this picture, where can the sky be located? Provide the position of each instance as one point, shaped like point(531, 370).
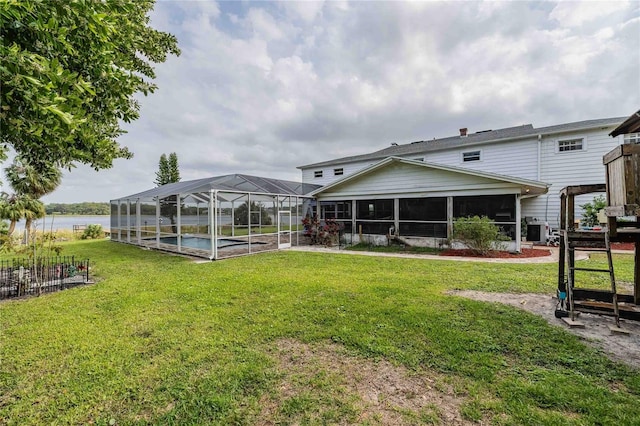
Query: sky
point(264, 87)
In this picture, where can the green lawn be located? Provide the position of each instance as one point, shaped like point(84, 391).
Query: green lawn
point(162, 340)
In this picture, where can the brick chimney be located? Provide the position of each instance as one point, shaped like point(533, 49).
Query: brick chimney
point(463, 132)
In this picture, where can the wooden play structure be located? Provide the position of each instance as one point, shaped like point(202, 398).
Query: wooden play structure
point(623, 202)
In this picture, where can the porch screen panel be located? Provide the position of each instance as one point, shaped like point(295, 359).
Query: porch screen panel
point(423, 217)
point(114, 227)
point(124, 221)
point(133, 220)
point(374, 216)
point(340, 211)
point(148, 220)
point(501, 209)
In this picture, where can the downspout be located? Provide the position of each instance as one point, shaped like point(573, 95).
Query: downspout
point(539, 172)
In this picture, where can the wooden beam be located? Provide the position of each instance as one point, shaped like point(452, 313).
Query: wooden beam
point(583, 189)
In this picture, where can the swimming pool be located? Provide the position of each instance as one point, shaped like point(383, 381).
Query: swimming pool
point(205, 243)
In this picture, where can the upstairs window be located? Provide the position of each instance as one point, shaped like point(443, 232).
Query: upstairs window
point(338, 172)
point(317, 174)
point(632, 138)
point(471, 156)
point(570, 145)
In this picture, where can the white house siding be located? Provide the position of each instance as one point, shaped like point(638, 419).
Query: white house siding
point(328, 172)
point(406, 180)
point(562, 169)
point(511, 158)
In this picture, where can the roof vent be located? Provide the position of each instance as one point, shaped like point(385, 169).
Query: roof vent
point(463, 132)
point(394, 144)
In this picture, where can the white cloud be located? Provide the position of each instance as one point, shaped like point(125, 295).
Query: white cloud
point(264, 87)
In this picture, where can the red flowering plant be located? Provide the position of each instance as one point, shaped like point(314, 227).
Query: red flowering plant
point(321, 232)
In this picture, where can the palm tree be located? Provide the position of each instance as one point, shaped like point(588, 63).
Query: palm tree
point(14, 207)
point(30, 183)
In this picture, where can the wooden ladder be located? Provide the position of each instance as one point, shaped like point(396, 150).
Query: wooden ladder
point(590, 241)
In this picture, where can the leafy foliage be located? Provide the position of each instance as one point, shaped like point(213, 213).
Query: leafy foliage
point(86, 208)
point(92, 232)
point(70, 71)
point(321, 233)
point(591, 209)
point(259, 214)
point(31, 183)
point(478, 233)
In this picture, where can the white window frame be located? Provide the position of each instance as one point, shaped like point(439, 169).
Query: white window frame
point(338, 171)
point(582, 140)
point(479, 151)
point(318, 174)
point(631, 138)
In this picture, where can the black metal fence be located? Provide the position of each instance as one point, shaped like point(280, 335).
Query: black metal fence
point(24, 277)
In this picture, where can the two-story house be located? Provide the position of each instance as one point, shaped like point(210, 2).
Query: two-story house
point(417, 189)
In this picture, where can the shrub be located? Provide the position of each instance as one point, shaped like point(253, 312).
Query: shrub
point(479, 234)
point(326, 234)
point(590, 211)
point(92, 232)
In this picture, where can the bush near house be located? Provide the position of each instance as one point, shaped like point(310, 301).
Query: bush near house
point(590, 210)
point(479, 234)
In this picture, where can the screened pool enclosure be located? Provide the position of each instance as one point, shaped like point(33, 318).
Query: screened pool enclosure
point(215, 217)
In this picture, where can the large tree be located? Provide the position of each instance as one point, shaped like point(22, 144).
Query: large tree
point(168, 170)
point(70, 70)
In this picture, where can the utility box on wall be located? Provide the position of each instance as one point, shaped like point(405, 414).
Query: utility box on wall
point(623, 180)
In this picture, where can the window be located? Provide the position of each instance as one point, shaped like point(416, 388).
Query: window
point(338, 172)
point(632, 138)
point(336, 209)
point(570, 145)
point(471, 156)
point(317, 174)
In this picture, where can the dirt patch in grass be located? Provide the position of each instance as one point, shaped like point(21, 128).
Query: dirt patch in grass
point(597, 333)
point(498, 254)
point(372, 392)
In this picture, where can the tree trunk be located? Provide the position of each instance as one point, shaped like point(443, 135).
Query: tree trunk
point(27, 231)
point(12, 227)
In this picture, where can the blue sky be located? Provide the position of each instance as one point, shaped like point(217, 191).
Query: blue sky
point(264, 87)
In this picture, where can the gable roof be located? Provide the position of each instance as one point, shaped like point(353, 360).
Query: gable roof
point(530, 187)
point(483, 137)
point(233, 182)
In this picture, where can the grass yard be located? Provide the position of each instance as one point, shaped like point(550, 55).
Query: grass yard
point(162, 340)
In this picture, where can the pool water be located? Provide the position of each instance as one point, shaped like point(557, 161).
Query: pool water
point(205, 243)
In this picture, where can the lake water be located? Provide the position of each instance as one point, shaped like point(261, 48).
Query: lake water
point(64, 222)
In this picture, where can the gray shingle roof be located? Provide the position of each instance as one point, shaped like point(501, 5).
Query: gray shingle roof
point(518, 132)
point(234, 182)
